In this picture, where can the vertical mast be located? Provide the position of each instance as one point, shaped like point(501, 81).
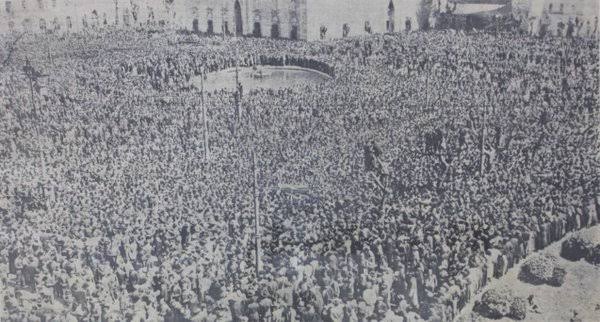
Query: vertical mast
point(204, 120)
point(256, 217)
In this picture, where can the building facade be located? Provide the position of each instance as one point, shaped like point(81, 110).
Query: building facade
point(360, 17)
point(295, 19)
point(577, 18)
point(261, 18)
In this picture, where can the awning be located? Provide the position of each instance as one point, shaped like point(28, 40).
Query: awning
point(477, 8)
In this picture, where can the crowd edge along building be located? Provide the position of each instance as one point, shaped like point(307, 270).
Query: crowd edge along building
point(260, 18)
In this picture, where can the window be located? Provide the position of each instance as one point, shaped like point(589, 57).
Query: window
point(151, 14)
point(24, 4)
point(69, 23)
point(345, 30)
point(26, 24)
point(550, 8)
point(294, 20)
point(53, 3)
point(42, 24)
point(322, 31)
point(40, 4)
point(134, 12)
point(562, 7)
point(11, 25)
point(94, 19)
point(8, 7)
point(126, 18)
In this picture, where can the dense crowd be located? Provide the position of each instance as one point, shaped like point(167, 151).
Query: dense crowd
point(430, 163)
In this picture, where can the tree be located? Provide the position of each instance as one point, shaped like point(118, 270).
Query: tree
point(423, 13)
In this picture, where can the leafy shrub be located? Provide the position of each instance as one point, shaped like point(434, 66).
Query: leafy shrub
point(593, 256)
point(574, 248)
point(518, 309)
point(542, 269)
point(499, 303)
point(583, 244)
point(558, 278)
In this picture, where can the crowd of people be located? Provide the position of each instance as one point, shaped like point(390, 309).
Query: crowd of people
point(430, 163)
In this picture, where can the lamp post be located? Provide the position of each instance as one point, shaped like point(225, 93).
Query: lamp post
point(32, 75)
point(204, 119)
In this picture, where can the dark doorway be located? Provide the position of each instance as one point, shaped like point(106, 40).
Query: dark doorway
point(294, 33)
point(195, 26)
point(275, 30)
point(239, 29)
point(226, 28)
point(543, 30)
point(257, 32)
point(210, 29)
point(468, 23)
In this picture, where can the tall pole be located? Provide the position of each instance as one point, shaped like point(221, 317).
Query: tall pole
point(238, 86)
point(237, 73)
point(427, 85)
point(48, 53)
point(224, 15)
point(256, 217)
point(204, 120)
point(116, 12)
point(29, 71)
point(31, 90)
point(483, 134)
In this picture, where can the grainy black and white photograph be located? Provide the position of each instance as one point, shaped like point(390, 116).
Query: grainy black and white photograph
point(299, 160)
